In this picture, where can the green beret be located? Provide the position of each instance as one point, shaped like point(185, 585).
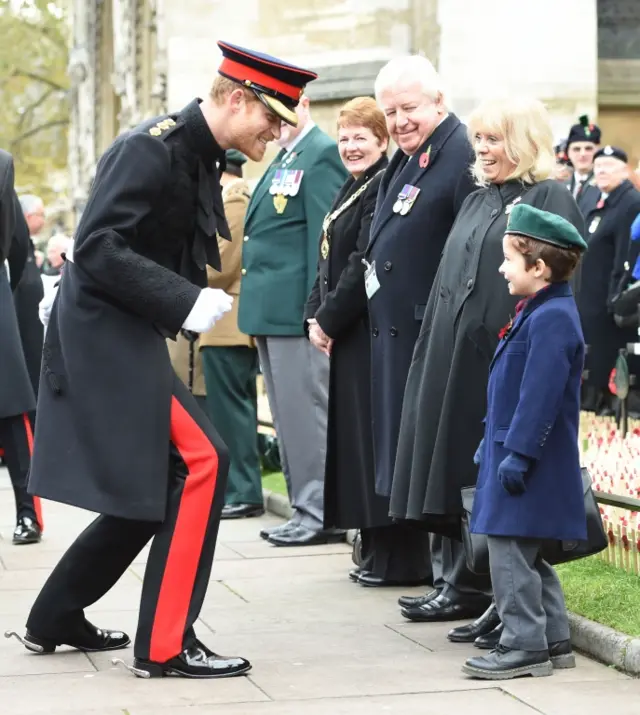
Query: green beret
point(236, 157)
point(525, 220)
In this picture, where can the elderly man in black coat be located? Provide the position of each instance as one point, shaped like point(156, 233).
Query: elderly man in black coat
point(603, 268)
point(421, 192)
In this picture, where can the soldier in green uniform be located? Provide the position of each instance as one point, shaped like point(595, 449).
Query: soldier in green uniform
point(279, 266)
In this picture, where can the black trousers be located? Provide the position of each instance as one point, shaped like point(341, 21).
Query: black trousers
point(16, 438)
point(396, 552)
point(181, 556)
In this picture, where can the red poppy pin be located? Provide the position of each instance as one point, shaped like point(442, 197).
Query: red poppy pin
point(424, 158)
point(505, 331)
point(600, 204)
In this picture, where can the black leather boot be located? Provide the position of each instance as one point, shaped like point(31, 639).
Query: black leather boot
point(561, 655)
point(504, 664)
point(480, 627)
point(490, 640)
point(89, 640)
point(196, 661)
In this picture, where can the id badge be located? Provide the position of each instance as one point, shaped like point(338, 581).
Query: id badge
point(371, 282)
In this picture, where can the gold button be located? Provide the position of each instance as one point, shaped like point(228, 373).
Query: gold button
point(244, 271)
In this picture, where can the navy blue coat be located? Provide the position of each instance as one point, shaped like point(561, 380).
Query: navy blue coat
point(407, 250)
point(533, 409)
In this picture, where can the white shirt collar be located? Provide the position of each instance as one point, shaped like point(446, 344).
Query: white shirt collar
point(307, 128)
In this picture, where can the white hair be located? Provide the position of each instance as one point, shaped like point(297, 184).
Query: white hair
point(409, 69)
point(59, 240)
point(30, 203)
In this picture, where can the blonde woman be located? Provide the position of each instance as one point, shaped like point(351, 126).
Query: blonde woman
point(445, 395)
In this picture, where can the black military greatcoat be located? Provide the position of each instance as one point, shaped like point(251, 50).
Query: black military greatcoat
point(446, 393)
point(339, 303)
point(608, 237)
point(16, 392)
point(141, 249)
point(406, 250)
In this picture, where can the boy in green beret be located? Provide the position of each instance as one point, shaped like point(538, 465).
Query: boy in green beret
point(529, 485)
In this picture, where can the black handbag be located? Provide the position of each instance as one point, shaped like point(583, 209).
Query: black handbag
point(554, 551)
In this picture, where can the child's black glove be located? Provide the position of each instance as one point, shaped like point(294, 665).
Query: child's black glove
point(512, 471)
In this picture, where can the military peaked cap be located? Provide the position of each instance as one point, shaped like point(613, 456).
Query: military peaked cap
point(525, 220)
point(277, 84)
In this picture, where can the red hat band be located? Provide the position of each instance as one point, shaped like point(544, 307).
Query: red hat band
point(241, 73)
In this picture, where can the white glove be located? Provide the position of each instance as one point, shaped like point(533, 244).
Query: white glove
point(211, 305)
point(45, 305)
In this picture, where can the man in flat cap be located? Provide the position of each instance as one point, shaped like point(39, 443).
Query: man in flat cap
point(117, 432)
point(582, 143)
point(603, 268)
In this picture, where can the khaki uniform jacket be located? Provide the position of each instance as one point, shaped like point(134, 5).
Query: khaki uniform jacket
point(225, 333)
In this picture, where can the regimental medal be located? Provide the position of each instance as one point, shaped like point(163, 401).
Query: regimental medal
point(397, 207)
point(280, 203)
point(409, 201)
point(276, 182)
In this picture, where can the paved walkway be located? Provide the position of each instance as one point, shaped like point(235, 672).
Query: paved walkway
point(320, 645)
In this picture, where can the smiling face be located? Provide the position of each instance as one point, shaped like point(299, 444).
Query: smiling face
point(251, 125)
point(609, 173)
point(491, 156)
point(411, 115)
point(581, 156)
point(521, 279)
point(359, 149)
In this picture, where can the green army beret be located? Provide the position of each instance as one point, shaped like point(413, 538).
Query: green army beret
point(236, 157)
point(525, 220)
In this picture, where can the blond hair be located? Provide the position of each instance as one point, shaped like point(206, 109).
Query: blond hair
point(525, 126)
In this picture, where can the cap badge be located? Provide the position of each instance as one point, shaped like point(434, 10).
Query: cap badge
point(608, 150)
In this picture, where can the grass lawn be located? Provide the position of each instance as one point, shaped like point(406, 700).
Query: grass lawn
point(274, 481)
point(602, 593)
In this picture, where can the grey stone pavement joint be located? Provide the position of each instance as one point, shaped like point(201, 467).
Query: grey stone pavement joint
point(319, 643)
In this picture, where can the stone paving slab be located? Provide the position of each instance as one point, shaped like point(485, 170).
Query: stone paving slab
point(319, 644)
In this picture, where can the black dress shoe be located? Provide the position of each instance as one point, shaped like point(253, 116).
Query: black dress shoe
point(27, 531)
point(239, 511)
point(410, 601)
point(301, 536)
point(504, 664)
point(367, 578)
point(268, 530)
point(480, 627)
point(354, 574)
point(90, 640)
point(444, 609)
point(561, 655)
point(194, 662)
point(490, 640)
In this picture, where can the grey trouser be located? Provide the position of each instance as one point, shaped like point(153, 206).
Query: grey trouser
point(450, 573)
point(296, 376)
point(528, 594)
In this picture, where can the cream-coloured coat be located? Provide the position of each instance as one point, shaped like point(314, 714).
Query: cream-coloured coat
point(235, 197)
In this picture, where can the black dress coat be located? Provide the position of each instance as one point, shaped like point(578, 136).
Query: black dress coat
point(406, 251)
point(588, 195)
point(339, 303)
point(142, 245)
point(608, 237)
point(446, 392)
point(16, 392)
point(27, 296)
